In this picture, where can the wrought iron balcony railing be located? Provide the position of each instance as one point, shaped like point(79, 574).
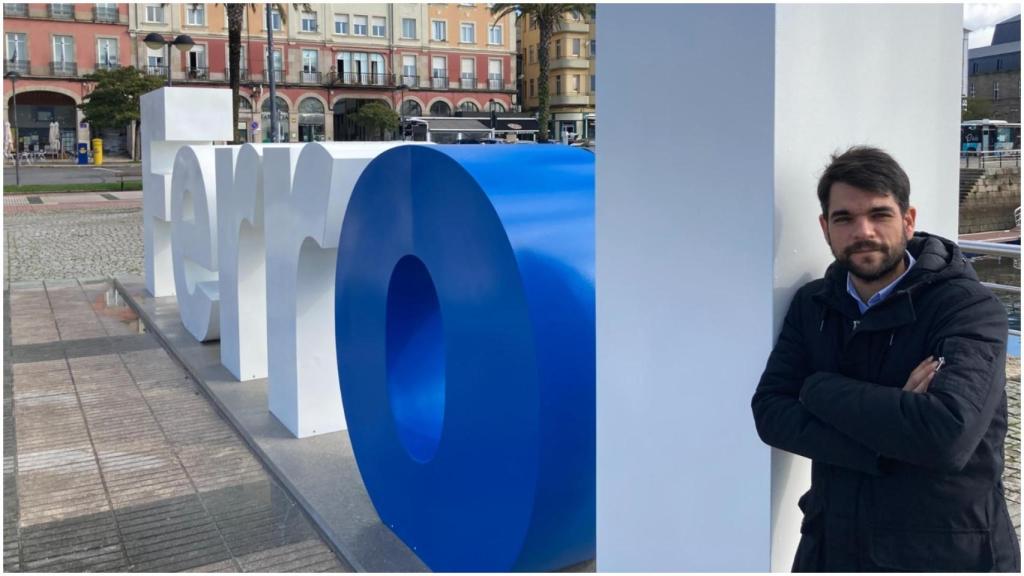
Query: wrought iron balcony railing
point(156, 70)
point(360, 79)
point(197, 73)
point(278, 75)
point(20, 66)
point(16, 10)
point(409, 81)
point(309, 77)
point(64, 68)
point(495, 84)
point(62, 11)
point(467, 82)
point(111, 65)
point(439, 82)
point(243, 74)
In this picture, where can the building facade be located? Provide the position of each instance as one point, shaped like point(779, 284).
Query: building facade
point(993, 72)
point(417, 59)
point(51, 47)
point(572, 80)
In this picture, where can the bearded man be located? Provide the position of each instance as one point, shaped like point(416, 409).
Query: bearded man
point(889, 374)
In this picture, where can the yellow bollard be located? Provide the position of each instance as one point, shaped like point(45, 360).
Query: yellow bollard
point(97, 151)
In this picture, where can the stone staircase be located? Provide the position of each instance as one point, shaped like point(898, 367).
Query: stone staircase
point(968, 178)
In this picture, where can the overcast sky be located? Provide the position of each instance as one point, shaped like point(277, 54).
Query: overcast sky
point(982, 20)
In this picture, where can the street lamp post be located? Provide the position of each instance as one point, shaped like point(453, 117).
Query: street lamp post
point(13, 75)
point(401, 109)
point(155, 41)
point(494, 117)
point(275, 135)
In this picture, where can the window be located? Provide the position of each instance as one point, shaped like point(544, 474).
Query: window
point(995, 89)
point(409, 70)
point(359, 25)
point(468, 74)
point(533, 56)
point(974, 68)
point(558, 48)
point(197, 69)
point(970, 90)
point(275, 19)
point(378, 26)
point(106, 51)
point(308, 22)
point(576, 45)
point(409, 28)
point(576, 83)
point(494, 74)
point(439, 72)
point(310, 66)
point(469, 106)
point(20, 9)
point(154, 13)
point(593, 83)
point(155, 62)
point(63, 11)
point(593, 49)
point(576, 15)
point(16, 47)
point(63, 49)
point(558, 85)
point(467, 33)
point(195, 14)
point(999, 64)
point(106, 12)
point(533, 88)
point(341, 24)
point(494, 34)
point(497, 106)
point(440, 30)
point(278, 63)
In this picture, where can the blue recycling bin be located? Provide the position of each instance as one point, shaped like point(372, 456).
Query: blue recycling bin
point(83, 153)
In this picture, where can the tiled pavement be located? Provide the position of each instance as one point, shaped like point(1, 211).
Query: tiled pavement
point(115, 461)
point(1011, 473)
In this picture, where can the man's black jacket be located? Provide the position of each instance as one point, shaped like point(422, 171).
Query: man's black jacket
point(900, 481)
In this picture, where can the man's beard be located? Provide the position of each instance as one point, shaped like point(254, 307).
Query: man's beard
point(891, 258)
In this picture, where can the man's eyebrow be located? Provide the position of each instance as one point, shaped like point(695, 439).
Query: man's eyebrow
point(840, 212)
point(881, 209)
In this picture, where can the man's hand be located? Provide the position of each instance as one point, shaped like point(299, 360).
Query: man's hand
point(922, 376)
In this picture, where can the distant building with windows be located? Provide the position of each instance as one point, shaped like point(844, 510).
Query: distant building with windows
point(572, 80)
point(993, 72)
point(417, 59)
point(51, 46)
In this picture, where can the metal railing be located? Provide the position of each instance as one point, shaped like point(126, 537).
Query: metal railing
point(104, 14)
point(243, 74)
point(309, 77)
point(976, 159)
point(63, 68)
point(61, 11)
point(20, 66)
point(994, 249)
point(495, 83)
point(197, 73)
point(107, 65)
point(278, 75)
point(467, 82)
point(158, 70)
point(361, 79)
point(439, 82)
point(410, 81)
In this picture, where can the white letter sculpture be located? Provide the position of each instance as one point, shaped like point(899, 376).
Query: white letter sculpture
point(172, 118)
point(303, 223)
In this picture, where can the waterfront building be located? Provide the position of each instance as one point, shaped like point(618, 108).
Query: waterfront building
point(993, 72)
point(51, 47)
point(572, 81)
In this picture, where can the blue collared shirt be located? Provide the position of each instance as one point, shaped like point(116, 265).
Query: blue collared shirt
point(881, 294)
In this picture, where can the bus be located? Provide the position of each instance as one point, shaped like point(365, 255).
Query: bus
point(989, 136)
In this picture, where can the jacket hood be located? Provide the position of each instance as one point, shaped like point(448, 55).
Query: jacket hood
point(936, 258)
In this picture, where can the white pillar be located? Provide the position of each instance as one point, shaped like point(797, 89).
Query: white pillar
point(707, 226)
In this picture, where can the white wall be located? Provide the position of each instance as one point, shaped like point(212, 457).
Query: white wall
point(707, 224)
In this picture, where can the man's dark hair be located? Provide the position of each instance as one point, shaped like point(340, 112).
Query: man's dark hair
point(866, 168)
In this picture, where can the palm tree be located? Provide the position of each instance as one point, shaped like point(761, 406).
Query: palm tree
point(548, 18)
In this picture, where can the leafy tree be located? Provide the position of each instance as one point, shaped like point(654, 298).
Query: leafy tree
point(548, 18)
point(375, 118)
point(114, 102)
point(976, 109)
point(236, 14)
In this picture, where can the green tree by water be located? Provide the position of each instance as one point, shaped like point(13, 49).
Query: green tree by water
point(548, 18)
point(114, 101)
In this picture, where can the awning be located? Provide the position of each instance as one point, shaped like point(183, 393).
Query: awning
point(456, 124)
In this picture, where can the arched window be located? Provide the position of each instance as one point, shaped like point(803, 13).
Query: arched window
point(498, 106)
point(440, 108)
point(469, 106)
point(411, 108)
point(244, 105)
point(311, 120)
point(311, 106)
point(282, 106)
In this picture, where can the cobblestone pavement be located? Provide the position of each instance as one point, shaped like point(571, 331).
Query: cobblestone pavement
point(114, 460)
point(1011, 474)
point(102, 242)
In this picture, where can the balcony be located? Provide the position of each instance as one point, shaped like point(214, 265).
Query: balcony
point(61, 11)
point(361, 79)
point(440, 82)
point(467, 82)
point(570, 100)
point(570, 25)
point(409, 81)
point(197, 73)
point(104, 14)
point(243, 74)
point(309, 77)
point(278, 76)
point(571, 61)
point(20, 66)
point(16, 10)
point(112, 65)
point(63, 68)
point(157, 70)
point(496, 84)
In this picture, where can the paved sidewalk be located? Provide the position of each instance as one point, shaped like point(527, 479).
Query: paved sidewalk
point(114, 460)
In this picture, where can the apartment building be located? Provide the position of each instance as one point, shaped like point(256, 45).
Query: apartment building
point(994, 72)
point(51, 46)
point(572, 81)
point(418, 59)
